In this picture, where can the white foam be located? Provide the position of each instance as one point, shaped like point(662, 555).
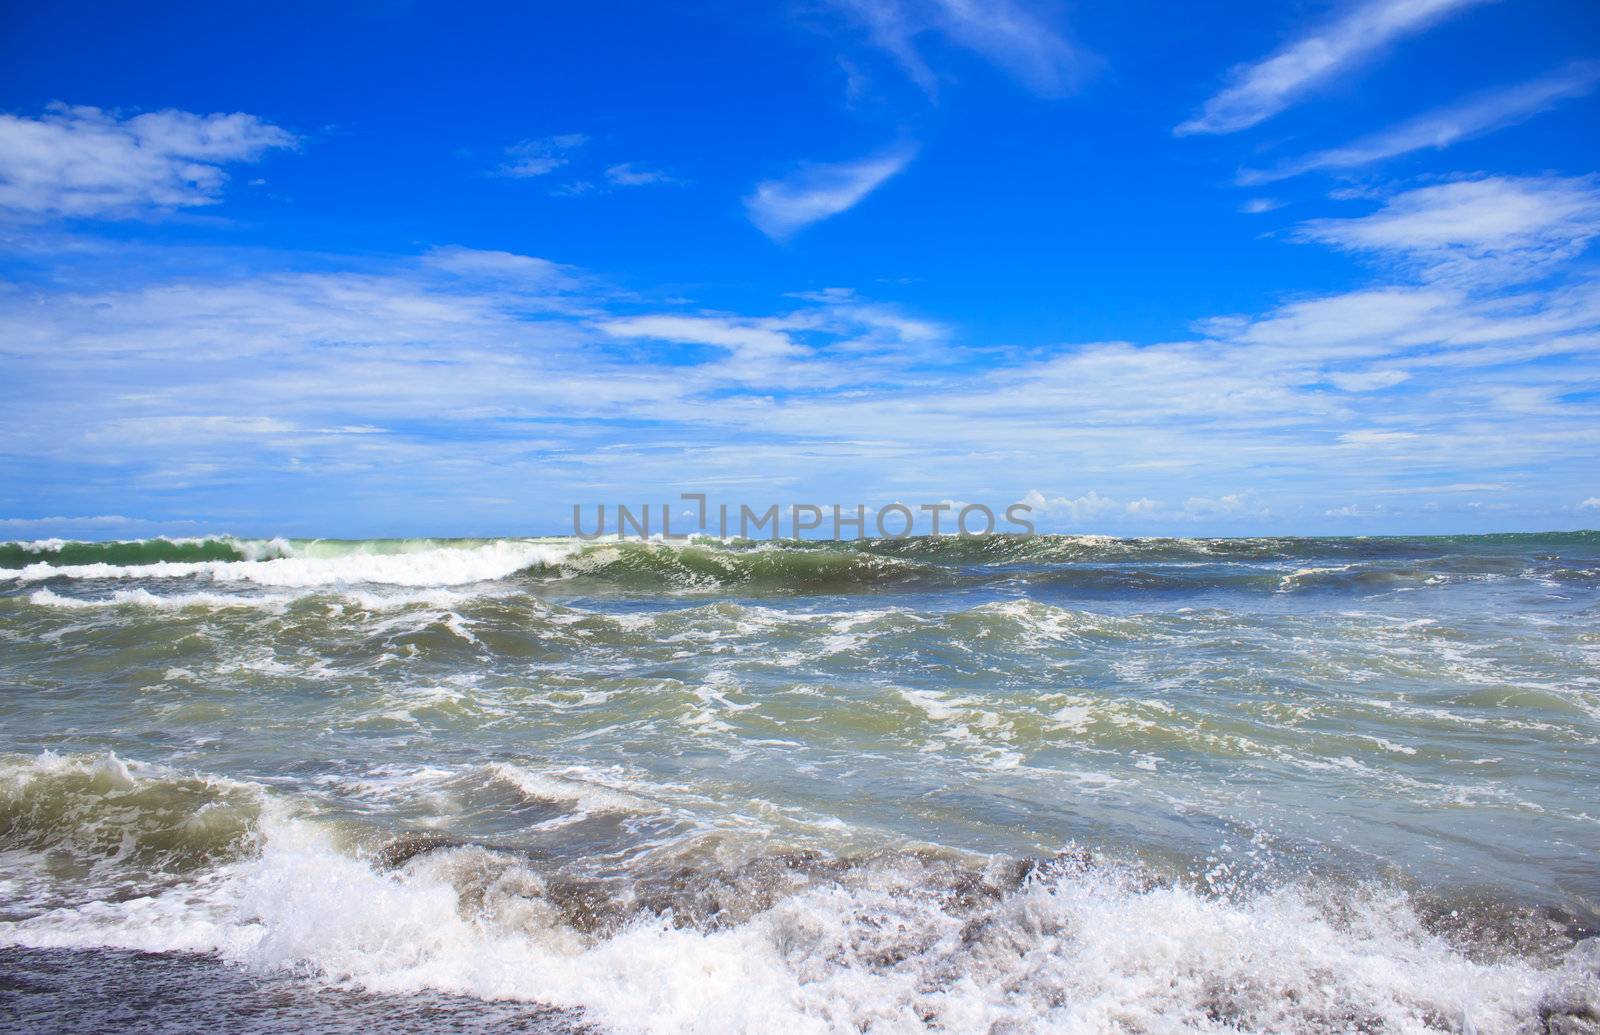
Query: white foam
point(582, 788)
point(1075, 717)
point(56, 545)
point(440, 566)
point(1301, 576)
point(1089, 952)
point(439, 598)
point(933, 703)
point(145, 598)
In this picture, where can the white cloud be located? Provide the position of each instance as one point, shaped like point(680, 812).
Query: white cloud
point(1006, 32)
point(1368, 380)
point(781, 208)
point(1205, 506)
point(1256, 206)
point(759, 351)
point(98, 521)
point(81, 161)
point(1260, 90)
point(502, 267)
point(1371, 437)
point(507, 376)
point(573, 189)
point(540, 157)
point(1439, 129)
point(1014, 38)
point(1429, 490)
point(1495, 228)
point(1091, 504)
point(1592, 501)
point(756, 337)
point(1359, 323)
point(893, 27)
point(631, 174)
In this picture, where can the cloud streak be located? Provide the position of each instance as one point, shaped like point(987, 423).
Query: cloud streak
point(1007, 33)
point(1495, 229)
point(782, 208)
point(1446, 126)
point(1260, 90)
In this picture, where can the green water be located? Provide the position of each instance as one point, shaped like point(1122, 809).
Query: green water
point(1385, 750)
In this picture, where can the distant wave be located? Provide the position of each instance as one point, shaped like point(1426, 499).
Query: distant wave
point(289, 563)
point(1082, 564)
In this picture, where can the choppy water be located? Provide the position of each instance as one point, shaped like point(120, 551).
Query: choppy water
point(1053, 784)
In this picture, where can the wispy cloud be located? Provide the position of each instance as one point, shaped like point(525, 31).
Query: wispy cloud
point(1090, 505)
point(574, 189)
point(530, 159)
point(1495, 229)
point(1260, 90)
point(781, 208)
point(631, 174)
point(1367, 380)
point(1093, 507)
point(97, 520)
point(1008, 33)
point(1017, 39)
point(503, 269)
point(759, 351)
point(540, 157)
point(1428, 490)
point(82, 161)
point(1439, 129)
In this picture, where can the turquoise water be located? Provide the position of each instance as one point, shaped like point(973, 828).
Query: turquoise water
point(1058, 783)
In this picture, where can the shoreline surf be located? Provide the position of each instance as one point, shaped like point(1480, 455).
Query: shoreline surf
point(1080, 784)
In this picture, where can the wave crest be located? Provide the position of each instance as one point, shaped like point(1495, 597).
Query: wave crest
point(102, 809)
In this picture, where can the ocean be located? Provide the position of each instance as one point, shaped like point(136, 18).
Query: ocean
point(1056, 783)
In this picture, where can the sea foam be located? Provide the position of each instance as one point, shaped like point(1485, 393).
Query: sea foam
point(890, 943)
point(440, 566)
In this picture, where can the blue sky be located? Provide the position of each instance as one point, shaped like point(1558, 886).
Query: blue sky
point(409, 268)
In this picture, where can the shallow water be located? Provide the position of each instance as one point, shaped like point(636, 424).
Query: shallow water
point(1060, 783)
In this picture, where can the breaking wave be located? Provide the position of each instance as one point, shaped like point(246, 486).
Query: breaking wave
point(757, 939)
point(1084, 565)
point(315, 564)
